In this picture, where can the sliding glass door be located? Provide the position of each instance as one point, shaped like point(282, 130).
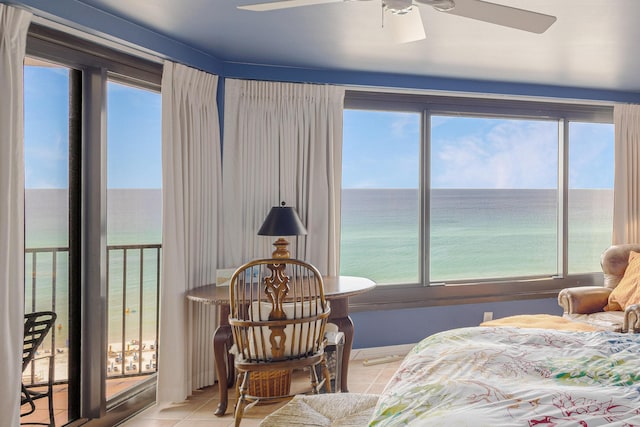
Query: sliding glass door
point(46, 150)
point(93, 220)
point(134, 234)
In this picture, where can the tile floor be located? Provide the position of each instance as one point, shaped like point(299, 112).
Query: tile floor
point(60, 400)
point(198, 409)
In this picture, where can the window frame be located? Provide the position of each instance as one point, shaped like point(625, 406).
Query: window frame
point(426, 294)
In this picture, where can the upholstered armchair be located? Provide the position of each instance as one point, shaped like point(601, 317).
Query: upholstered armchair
point(587, 303)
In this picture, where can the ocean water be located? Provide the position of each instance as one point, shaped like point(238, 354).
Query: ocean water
point(134, 217)
point(473, 234)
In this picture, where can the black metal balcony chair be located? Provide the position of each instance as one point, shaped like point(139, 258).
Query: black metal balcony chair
point(36, 328)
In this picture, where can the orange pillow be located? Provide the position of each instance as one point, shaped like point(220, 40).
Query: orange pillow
point(628, 290)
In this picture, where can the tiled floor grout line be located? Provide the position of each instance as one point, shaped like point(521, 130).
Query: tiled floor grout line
point(202, 412)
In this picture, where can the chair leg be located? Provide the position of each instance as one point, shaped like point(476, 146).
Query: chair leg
point(313, 374)
point(326, 381)
point(52, 420)
point(29, 400)
point(49, 396)
point(327, 375)
point(241, 401)
point(30, 397)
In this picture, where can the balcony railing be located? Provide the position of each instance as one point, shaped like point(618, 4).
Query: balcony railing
point(133, 290)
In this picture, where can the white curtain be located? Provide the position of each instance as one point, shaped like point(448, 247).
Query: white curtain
point(191, 180)
point(13, 35)
point(282, 142)
point(626, 199)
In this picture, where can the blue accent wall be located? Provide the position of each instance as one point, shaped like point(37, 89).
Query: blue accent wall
point(97, 22)
point(408, 326)
point(413, 82)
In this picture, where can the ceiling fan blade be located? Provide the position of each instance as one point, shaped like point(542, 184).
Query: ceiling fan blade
point(405, 28)
point(506, 16)
point(284, 4)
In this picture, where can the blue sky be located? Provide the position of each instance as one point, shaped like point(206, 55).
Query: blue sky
point(380, 149)
point(134, 138)
point(134, 157)
point(46, 116)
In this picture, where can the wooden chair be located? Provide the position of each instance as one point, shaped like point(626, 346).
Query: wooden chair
point(36, 327)
point(278, 318)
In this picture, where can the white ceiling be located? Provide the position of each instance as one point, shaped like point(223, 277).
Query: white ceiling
point(593, 43)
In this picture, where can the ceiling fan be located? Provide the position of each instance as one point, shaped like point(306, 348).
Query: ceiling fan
point(406, 23)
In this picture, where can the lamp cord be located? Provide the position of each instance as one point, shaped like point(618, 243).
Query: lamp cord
point(279, 173)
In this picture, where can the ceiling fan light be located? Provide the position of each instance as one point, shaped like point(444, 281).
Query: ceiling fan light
point(398, 7)
point(440, 5)
point(401, 12)
point(405, 28)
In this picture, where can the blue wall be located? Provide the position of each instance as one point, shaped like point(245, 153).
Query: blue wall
point(96, 22)
point(408, 326)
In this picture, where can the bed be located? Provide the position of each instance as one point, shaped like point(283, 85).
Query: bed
point(508, 376)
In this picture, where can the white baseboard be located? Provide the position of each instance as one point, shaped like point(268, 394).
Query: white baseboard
point(380, 352)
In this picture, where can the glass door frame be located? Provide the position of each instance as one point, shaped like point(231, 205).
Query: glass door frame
point(90, 65)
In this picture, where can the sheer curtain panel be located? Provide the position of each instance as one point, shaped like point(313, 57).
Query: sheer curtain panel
point(13, 36)
point(626, 198)
point(191, 193)
point(282, 142)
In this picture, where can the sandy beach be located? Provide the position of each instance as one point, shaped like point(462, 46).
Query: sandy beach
point(136, 360)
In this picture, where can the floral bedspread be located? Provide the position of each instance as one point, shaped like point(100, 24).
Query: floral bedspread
point(506, 376)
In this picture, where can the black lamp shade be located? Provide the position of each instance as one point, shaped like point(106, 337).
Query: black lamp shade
point(282, 221)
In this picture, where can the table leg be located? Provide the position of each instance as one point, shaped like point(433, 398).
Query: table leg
point(222, 341)
point(231, 370)
point(340, 317)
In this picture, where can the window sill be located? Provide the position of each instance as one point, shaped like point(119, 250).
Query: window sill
point(393, 297)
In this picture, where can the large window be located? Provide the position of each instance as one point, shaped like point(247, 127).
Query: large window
point(494, 186)
point(455, 191)
point(590, 194)
point(380, 200)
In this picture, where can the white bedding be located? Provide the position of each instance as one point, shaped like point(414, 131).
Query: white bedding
point(486, 376)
